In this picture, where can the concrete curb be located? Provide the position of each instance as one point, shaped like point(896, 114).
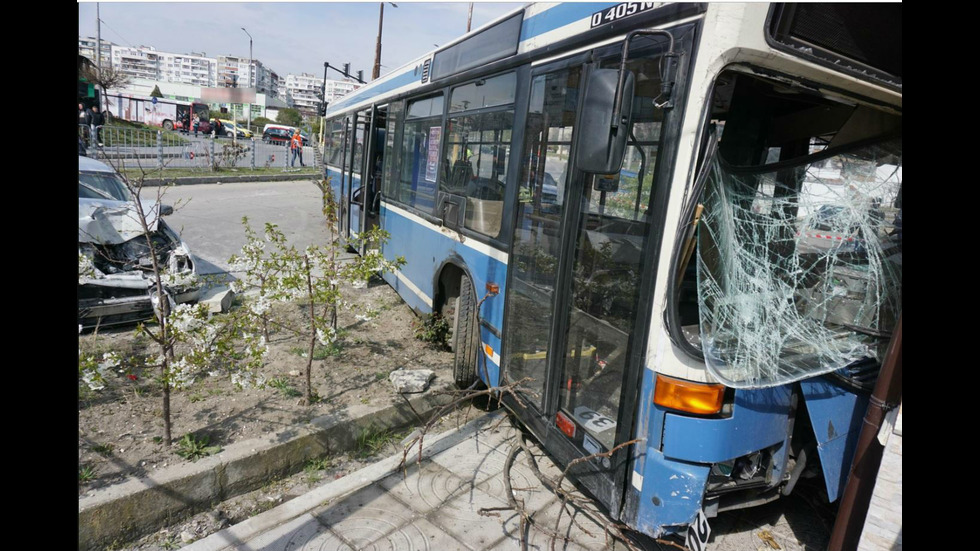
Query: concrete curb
point(186, 181)
point(234, 536)
point(139, 506)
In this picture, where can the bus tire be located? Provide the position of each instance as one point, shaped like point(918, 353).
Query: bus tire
point(168, 125)
point(466, 335)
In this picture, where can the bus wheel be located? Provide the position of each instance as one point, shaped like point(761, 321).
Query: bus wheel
point(466, 335)
point(168, 125)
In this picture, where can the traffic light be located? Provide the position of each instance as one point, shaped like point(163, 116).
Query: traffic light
point(323, 108)
point(360, 76)
point(347, 70)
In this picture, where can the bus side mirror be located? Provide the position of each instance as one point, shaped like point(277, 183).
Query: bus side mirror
point(603, 133)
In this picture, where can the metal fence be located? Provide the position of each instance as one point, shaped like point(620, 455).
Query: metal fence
point(148, 149)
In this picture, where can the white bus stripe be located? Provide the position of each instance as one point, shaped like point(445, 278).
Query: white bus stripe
point(477, 246)
point(411, 286)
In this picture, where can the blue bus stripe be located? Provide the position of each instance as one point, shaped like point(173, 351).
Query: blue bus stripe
point(559, 16)
point(404, 79)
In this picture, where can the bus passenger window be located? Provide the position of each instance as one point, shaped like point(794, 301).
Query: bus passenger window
point(478, 152)
point(419, 155)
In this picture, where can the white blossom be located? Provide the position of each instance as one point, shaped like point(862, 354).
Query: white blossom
point(326, 337)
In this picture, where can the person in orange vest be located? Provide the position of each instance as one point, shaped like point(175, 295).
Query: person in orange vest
point(296, 145)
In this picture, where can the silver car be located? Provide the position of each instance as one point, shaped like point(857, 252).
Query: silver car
point(115, 265)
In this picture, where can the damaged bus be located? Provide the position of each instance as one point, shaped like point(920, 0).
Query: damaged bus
point(679, 224)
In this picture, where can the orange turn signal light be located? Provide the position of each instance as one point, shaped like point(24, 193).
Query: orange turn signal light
point(700, 398)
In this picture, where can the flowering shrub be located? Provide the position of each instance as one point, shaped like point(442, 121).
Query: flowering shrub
point(282, 273)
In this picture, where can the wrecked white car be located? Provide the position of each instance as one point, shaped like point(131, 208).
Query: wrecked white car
point(115, 265)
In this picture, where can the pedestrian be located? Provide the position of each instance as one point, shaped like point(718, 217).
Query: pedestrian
point(296, 144)
point(84, 119)
point(95, 125)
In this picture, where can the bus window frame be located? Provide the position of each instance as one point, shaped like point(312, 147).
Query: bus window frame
point(509, 179)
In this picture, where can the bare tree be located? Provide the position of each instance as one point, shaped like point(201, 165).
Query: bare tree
point(108, 78)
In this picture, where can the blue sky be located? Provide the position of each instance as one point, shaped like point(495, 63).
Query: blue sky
point(289, 37)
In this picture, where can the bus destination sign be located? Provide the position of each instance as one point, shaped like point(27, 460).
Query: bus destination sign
point(620, 11)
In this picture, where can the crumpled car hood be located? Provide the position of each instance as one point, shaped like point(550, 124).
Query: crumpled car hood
point(112, 222)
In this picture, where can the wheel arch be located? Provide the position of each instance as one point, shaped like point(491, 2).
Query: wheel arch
point(446, 281)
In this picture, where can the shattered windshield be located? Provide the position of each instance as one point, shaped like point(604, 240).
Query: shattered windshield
point(102, 185)
point(799, 264)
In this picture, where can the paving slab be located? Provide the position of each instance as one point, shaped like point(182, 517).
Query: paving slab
point(437, 506)
point(426, 489)
point(461, 518)
point(301, 534)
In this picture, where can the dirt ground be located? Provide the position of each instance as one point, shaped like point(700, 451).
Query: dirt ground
point(120, 427)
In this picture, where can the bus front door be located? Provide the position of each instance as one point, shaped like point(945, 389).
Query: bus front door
point(574, 314)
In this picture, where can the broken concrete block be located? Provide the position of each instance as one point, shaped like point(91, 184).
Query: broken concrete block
point(411, 380)
point(218, 299)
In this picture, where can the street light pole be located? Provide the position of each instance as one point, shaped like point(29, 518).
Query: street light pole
point(250, 83)
point(323, 101)
point(376, 72)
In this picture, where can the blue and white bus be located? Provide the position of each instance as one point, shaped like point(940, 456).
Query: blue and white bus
point(686, 222)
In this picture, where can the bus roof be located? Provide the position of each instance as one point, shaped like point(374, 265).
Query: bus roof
point(526, 29)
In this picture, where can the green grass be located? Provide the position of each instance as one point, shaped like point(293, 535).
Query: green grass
point(317, 464)
point(85, 474)
point(320, 352)
point(193, 447)
point(281, 384)
point(134, 134)
point(313, 468)
point(223, 171)
point(372, 440)
point(103, 449)
point(433, 329)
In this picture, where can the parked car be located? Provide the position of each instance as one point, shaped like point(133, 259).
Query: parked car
point(230, 129)
point(276, 134)
point(280, 136)
point(115, 267)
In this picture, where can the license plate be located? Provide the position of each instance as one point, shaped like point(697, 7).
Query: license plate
point(698, 533)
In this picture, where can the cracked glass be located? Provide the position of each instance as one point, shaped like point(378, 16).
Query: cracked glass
point(799, 264)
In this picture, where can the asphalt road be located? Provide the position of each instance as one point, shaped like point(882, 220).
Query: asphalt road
point(209, 216)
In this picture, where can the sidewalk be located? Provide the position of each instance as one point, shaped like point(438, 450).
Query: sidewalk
point(436, 507)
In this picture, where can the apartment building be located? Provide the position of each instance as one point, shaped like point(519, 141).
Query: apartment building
point(337, 89)
point(87, 45)
point(303, 91)
point(193, 68)
point(141, 62)
point(235, 72)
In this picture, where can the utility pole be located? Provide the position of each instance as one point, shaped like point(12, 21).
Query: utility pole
point(376, 72)
point(469, 18)
point(98, 38)
point(249, 78)
point(98, 55)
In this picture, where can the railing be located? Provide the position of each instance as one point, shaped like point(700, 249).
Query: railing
point(150, 149)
